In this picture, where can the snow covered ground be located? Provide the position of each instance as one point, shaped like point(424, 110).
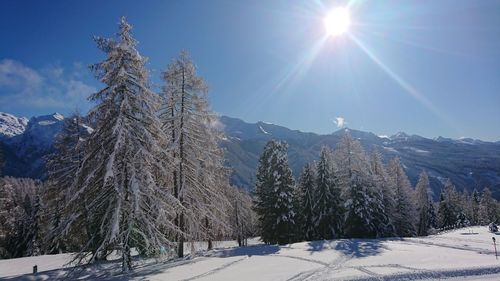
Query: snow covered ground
point(464, 254)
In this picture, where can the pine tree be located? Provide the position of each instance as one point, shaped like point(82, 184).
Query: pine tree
point(404, 212)
point(307, 185)
point(365, 214)
point(195, 158)
point(119, 174)
point(448, 210)
point(328, 210)
point(475, 207)
point(298, 210)
point(424, 205)
point(274, 195)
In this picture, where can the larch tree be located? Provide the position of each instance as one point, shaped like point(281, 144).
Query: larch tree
point(196, 161)
point(118, 176)
point(488, 207)
point(383, 183)
point(21, 227)
point(328, 210)
point(404, 211)
point(423, 200)
point(243, 218)
point(62, 166)
point(274, 195)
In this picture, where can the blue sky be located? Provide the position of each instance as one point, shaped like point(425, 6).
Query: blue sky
point(424, 67)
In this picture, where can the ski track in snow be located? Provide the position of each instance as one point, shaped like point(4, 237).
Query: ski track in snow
point(215, 270)
point(463, 248)
point(454, 255)
point(315, 274)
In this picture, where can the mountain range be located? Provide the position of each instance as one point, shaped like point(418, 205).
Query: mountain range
point(469, 163)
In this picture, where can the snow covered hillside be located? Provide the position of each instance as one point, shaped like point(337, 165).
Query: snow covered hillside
point(466, 252)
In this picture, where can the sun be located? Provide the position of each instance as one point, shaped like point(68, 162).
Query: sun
point(337, 21)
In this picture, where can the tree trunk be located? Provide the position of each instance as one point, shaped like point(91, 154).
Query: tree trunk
point(180, 250)
point(207, 225)
point(126, 258)
point(180, 242)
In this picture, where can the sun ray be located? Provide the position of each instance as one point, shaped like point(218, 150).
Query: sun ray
point(401, 82)
point(417, 45)
point(287, 79)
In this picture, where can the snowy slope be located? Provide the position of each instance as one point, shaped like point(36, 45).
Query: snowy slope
point(464, 254)
point(11, 125)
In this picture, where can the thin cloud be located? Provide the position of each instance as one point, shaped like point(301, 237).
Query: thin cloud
point(17, 76)
point(51, 87)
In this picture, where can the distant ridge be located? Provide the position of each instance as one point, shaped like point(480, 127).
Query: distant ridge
point(468, 162)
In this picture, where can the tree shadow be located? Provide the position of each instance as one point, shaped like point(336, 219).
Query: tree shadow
point(319, 245)
point(360, 248)
point(351, 247)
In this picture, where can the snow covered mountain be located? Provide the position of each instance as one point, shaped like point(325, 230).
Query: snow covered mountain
point(25, 152)
point(469, 163)
point(11, 125)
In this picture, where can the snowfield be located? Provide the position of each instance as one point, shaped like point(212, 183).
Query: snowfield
point(463, 254)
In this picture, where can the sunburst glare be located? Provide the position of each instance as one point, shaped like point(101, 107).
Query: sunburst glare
point(337, 21)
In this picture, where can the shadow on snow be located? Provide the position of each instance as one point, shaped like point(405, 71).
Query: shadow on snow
point(357, 248)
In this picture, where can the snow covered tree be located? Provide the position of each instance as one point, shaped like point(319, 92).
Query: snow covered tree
point(487, 209)
point(404, 211)
point(475, 207)
point(20, 220)
point(243, 219)
point(62, 166)
point(118, 179)
point(364, 210)
point(274, 195)
point(328, 210)
point(2, 158)
point(423, 202)
point(384, 185)
point(307, 186)
point(194, 156)
point(465, 216)
point(448, 210)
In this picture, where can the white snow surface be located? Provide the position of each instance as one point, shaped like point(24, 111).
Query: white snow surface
point(11, 125)
point(463, 254)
